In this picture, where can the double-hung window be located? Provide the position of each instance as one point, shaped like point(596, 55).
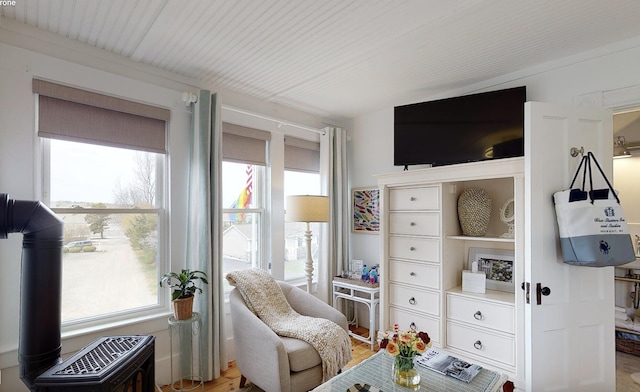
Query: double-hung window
point(259, 170)
point(104, 164)
point(244, 161)
point(301, 177)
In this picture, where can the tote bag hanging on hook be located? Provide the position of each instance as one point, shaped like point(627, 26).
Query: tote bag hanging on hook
point(593, 230)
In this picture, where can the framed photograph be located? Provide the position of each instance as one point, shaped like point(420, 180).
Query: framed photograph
point(356, 268)
point(497, 264)
point(365, 207)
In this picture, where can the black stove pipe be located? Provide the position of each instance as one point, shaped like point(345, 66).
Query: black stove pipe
point(41, 283)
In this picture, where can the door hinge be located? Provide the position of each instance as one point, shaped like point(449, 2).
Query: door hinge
point(526, 286)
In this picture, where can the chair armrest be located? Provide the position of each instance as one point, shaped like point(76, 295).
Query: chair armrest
point(308, 305)
point(260, 353)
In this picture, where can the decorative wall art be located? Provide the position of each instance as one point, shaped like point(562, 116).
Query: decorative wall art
point(497, 264)
point(365, 206)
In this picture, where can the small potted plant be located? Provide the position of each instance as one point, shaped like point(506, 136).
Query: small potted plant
point(184, 288)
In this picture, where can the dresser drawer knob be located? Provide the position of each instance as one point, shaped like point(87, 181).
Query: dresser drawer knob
point(412, 198)
point(412, 248)
point(478, 315)
point(478, 345)
point(412, 274)
point(412, 301)
point(412, 223)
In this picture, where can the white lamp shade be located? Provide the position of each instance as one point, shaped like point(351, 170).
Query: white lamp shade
point(307, 208)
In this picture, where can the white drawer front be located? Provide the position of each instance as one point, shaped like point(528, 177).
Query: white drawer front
point(415, 300)
point(421, 323)
point(492, 346)
point(414, 223)
point(422, 249)
point(414, 199)
point(419, 274)
point(481, 313)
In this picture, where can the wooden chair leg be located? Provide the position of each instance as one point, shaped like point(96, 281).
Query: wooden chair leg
point(243, 381)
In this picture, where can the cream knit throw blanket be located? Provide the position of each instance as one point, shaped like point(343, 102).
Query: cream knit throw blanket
point(264, 297)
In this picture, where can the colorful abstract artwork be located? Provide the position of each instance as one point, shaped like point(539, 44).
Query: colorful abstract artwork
point(366, 210)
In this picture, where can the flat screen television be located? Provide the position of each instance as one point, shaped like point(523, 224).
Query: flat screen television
point(469, 128)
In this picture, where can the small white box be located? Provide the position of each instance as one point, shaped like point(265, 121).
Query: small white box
point(474, 282)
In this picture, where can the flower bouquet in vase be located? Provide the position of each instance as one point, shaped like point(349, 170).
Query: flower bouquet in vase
point(404, 346)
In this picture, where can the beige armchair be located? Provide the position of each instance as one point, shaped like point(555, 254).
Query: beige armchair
point(272, 362)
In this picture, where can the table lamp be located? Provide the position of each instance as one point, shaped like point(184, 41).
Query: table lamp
point(307, 208)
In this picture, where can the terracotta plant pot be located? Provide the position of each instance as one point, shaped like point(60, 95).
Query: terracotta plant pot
point(183, 308)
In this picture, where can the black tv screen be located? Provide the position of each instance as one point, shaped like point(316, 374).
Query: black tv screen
point(469, 128)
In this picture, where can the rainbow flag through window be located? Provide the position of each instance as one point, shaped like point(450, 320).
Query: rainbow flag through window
point(244, 198)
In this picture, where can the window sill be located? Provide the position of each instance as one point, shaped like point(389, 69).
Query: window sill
point(76, 339)
point(142, 325)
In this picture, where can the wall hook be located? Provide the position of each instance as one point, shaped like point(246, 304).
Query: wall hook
point(575, 151)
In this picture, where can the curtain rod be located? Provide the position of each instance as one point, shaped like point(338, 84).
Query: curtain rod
point(281, 123)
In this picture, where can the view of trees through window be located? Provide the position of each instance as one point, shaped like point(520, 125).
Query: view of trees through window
point(110, 202)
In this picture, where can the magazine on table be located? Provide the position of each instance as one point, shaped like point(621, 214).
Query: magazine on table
point(448, 365)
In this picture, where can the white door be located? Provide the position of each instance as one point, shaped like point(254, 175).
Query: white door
point(569, 339)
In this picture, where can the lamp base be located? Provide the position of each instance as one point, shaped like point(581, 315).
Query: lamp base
point(308, 265)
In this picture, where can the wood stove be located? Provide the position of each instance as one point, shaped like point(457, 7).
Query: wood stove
point(113, 363)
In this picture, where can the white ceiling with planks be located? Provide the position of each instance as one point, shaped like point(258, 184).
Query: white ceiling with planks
point(335, 58)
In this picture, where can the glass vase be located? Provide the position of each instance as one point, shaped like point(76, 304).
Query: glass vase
point(404, 372)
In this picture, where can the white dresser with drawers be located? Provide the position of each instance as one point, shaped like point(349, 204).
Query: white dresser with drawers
point(424, 253)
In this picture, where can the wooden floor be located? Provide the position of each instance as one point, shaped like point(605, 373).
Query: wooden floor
point(229, 380)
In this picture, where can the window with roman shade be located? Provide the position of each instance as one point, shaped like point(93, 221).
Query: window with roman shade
point(104, 161)
point(244, 156)
point(301, 155)
point(72, 114)
point(244, 145)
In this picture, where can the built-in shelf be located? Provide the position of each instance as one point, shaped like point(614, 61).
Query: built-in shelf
point(491, 295)
point(487, 239)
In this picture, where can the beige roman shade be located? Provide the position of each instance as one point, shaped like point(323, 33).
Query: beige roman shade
point(244, 145)
point(72, 114)
point(301, 155)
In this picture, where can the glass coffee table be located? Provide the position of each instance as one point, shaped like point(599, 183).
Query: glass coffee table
point(376, 371)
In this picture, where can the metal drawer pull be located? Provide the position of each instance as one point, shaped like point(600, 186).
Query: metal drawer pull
point(412, 198)
point(412, 274)
point(478, 315)
point(412, 223)
point(412, 248)
point(413, 326)
point(412, 301)
point(478, 345)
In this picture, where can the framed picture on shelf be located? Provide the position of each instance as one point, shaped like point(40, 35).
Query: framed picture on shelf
point(356, 268)
point(365, 210)
point(497, 264)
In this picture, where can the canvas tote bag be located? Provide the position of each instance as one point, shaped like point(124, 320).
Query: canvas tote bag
point(593, 230)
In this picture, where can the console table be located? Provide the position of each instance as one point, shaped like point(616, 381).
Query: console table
point(358, 291)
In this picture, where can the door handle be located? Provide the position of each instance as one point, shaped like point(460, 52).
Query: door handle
point(540, 291)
